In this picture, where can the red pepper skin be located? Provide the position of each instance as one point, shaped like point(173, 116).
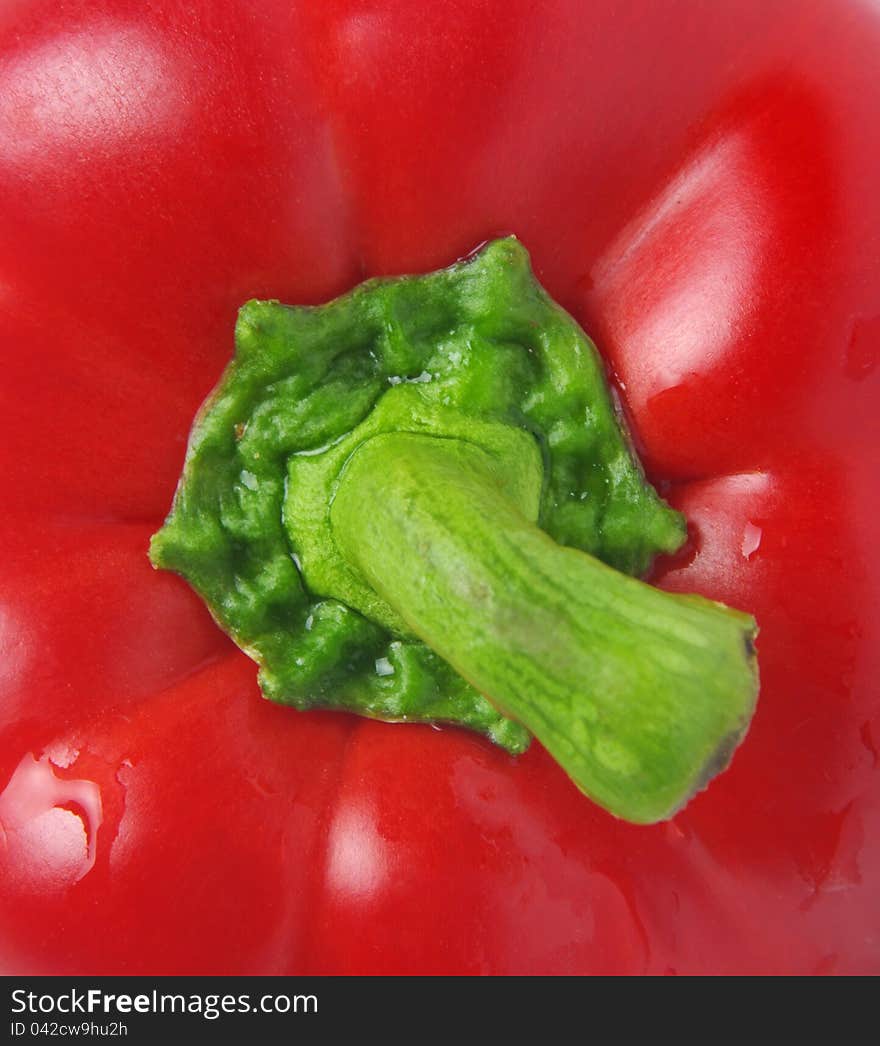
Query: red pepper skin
point(697, 184)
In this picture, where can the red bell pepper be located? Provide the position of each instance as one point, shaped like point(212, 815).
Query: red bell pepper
point(697, 184)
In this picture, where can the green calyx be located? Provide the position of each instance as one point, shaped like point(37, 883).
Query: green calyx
point(382, 503)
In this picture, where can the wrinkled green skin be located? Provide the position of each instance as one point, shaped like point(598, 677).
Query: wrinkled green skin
point(304, 550)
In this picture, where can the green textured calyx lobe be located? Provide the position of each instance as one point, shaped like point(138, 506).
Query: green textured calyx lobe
point(419, 503)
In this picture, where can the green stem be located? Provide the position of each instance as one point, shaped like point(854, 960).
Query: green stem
point(642, 696)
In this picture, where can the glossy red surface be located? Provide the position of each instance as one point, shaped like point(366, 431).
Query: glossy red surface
point(697, 183)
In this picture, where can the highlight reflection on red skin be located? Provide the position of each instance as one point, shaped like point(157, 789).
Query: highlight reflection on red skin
point(698, 187)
